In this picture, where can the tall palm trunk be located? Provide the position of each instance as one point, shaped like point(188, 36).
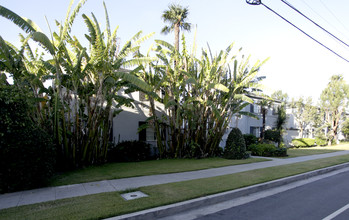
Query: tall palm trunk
point(176, 31)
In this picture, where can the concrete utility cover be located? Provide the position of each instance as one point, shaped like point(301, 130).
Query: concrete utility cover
point(133, 195)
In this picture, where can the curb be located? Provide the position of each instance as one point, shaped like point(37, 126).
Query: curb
point(168, 210)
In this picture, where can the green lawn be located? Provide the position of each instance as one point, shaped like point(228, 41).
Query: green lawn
point(111, 204)
point(297, 152)
point(132, 169)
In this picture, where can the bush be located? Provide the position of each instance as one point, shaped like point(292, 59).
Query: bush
point(320, 141)
point(249, 140)
point(272, 135)
point(27, 153)
point(128, 151)
point(235, 147)
point(303, 142)
point(268, 150)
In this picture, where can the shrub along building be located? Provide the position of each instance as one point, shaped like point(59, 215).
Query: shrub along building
point(133, 122)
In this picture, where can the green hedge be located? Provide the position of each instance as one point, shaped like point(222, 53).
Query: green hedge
point(235, 147)
point(303, 142)
point(320, 141)
point(267, 150)
point(27, 153)
point(272, 135)
point(129, 151)
point(249, 140)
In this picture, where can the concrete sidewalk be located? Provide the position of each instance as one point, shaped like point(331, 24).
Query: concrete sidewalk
point(53, 193)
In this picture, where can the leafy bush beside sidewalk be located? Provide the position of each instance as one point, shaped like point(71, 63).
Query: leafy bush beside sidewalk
point(267, 150)
point(303, 142)
point(27, 155)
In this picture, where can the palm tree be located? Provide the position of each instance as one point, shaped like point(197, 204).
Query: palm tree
point(264, 104)
point(175, 16)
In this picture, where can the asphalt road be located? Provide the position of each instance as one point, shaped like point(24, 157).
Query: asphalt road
point(325, 199)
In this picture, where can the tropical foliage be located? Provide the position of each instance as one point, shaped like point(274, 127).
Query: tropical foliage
point(89, 82)
point(27, 154)
point(200, 97)
point(79, 107)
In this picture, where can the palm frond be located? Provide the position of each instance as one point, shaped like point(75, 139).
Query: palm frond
point(166, 29)
point(90, 28)
point(107, 21)
point(33, 24)
point(139, 61)
point(221, 87)
point(65, 27)
point(26, 46)
point(134, 80)
point(18, 20)
point(249, 114)
point(5, 53)
point(165, 44)
point(44, 42)
point(99, 36)
point(141, 40)
point(74, 14)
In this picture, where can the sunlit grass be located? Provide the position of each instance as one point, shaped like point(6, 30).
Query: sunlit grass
point(306, 151)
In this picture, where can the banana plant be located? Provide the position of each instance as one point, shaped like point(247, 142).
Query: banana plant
point(202, 95)
point(84, 96)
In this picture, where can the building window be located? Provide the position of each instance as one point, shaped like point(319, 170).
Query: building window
point(146, 134)
point(142, 134)
point(256, 131)
point(254, 108)
point(251, 108)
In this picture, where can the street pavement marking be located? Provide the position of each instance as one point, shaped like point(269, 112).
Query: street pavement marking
point(339, 211)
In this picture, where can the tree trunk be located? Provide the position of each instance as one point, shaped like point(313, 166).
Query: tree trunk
point(263, 124)
point(176, 31)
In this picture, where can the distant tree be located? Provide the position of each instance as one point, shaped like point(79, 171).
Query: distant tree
point(280, 121)
point(334, 101)
point(280, 96)
point(176, 16)
point(345, 128)
point(304, 113)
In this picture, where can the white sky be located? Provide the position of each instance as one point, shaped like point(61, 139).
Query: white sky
point(297, 65)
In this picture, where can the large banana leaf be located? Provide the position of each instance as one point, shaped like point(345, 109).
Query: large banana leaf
point(44, 41)
point(24, 24)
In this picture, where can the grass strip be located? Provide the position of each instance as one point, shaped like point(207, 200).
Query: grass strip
point(111, 204)
point(153, 167)
point(298, 152)
point(144, 168)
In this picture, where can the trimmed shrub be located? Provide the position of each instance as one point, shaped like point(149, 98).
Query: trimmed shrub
point(249, 140)
point(235, 147)
point(303, 142)
point(27, 153)
point(128, 151)
point(320, 141)
point(272, 135)
point(268, 150)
